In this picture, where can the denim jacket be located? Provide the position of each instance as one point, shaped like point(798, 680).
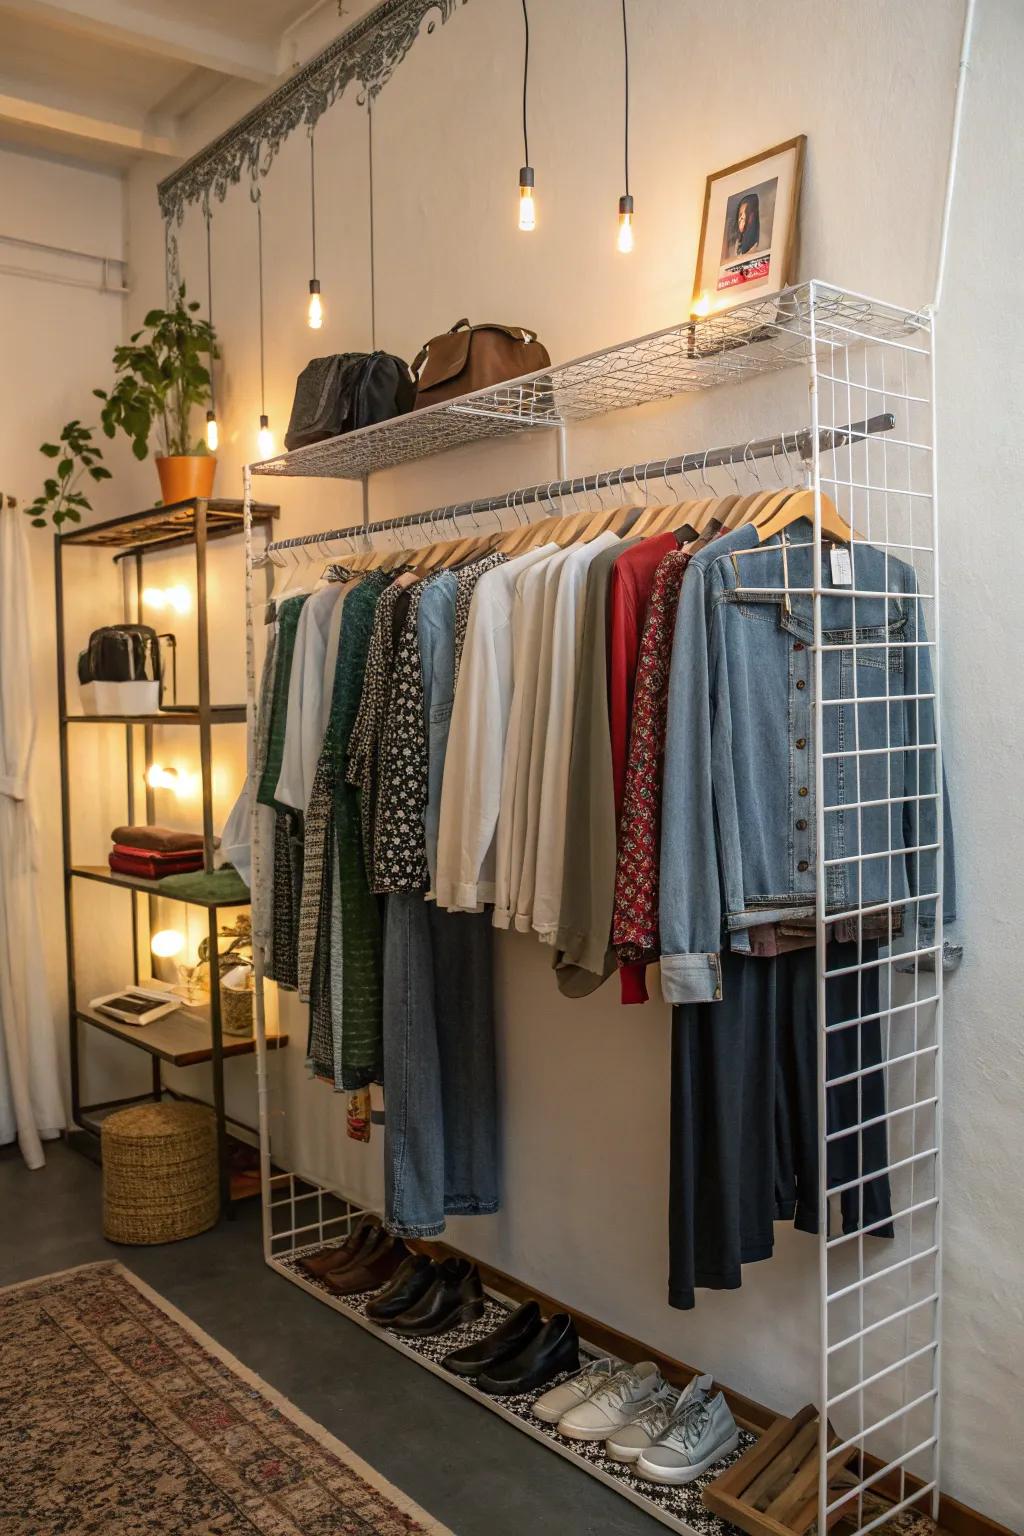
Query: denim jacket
point(738, 841)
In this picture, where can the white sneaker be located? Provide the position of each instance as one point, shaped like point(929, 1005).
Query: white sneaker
point(700, 1435)
point(560, 1399)
point(653, 1417)
point(612, 1404)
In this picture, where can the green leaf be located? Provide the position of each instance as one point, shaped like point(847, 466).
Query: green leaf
point(65, 467)
point(140, 448)
point(39, 522)
point(99, 473)
point(50, 449)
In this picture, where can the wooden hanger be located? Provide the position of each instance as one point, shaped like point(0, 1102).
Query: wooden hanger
point(801, 504)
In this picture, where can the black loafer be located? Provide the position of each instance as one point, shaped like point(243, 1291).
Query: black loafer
point(455, 1297)
point(556, 1348)
point(509, 1338)
point(409, 1283)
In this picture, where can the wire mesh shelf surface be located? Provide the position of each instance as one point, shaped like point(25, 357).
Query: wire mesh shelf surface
point(762, 336)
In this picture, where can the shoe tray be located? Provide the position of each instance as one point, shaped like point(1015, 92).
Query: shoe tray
point(680, 1508)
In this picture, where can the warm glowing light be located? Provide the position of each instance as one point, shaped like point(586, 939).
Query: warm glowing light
point(315, 312)
point(527, 199)
point(159, 777)
point(166, 943)
point(178, 598)
point(212, 432)
point(625, 239)
point(701, 306)
point(265, 439)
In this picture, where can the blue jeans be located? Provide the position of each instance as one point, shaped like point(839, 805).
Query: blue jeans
point(441, 1108)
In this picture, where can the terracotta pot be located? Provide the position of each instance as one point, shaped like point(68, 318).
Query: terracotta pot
point(185, 475)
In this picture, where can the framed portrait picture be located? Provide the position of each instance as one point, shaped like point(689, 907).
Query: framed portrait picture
point(748, 232)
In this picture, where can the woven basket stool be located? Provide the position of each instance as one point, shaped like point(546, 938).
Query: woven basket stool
point(159, 1173)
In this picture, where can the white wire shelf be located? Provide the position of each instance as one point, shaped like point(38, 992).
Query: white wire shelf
point(762, 336)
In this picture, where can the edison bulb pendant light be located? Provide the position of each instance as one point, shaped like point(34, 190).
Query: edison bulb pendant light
point(265, 439)
point(527, 199)
point(212, 433)
point(625, 239)
point(315, 312)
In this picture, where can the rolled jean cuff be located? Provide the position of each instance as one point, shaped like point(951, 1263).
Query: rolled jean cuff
point(691, 978)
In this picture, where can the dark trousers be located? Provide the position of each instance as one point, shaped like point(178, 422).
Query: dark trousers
point(744, 1121)
point(440, 1090)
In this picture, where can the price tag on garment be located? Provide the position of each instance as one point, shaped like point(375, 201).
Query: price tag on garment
point(842, 566)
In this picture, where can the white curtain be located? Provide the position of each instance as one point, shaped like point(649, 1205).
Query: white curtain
point(31, 1106)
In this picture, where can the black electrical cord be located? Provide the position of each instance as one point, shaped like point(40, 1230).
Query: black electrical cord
point(209, 300)
point(263, 376)
point(526, 72)
point(625, 58)
point(312, 194)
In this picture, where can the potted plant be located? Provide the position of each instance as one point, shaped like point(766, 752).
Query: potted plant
point(62, 500)
point(161, 378)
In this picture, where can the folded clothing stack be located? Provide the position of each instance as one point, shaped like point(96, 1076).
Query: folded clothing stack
point(150, 853)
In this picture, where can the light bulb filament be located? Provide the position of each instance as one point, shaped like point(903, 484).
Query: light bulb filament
point(315, 312)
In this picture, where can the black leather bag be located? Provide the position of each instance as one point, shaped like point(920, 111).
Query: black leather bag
point(121, 653)
point(349, 390)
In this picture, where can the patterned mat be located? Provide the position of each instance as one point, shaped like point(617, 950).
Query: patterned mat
point(683, 1503)
point(118, 1417)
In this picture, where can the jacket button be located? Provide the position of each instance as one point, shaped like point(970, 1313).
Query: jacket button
point(803, 865)
point(803, 791)
point(801, 825)
point(801, 741)
point(800, 683)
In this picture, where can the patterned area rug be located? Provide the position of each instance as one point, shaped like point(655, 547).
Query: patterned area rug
point(119, 1417)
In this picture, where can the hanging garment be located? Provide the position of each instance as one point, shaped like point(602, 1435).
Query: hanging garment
point(31, 1104)
point(737, 846)
point(585, 958)
point(442, 620)
point(556, 725)
point(635, 916)
point(289, 610)
point(629, 591)
point(340, 934)
point(305, 723)
point(400, 845)
point(744, 1118)
point(471, 793)
point(529, 609)
point(441, 1123)
point(533, 749)
point(363, 769)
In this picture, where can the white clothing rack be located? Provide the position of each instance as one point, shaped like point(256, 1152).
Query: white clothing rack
point(865, 362)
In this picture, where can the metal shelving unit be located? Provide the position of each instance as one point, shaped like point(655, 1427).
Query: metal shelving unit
point(761, 337)
point(180, 1039)
point(869, 445)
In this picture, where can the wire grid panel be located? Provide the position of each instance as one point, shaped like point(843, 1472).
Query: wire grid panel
point(762, 336)
point(879, 864)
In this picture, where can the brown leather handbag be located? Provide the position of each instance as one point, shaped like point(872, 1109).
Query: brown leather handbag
point(470, 357)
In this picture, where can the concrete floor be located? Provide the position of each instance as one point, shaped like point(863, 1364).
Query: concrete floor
point(464, 1466)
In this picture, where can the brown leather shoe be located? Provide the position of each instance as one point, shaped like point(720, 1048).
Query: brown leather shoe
point(370, 1275)
point(328, 1260)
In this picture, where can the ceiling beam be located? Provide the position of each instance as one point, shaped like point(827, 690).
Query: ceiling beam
point(164, 36)
point(23, 113)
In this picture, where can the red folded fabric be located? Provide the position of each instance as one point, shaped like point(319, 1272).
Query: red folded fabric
point(150, 866)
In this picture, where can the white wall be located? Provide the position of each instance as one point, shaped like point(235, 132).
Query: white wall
point(871, 84)
point(57, 341)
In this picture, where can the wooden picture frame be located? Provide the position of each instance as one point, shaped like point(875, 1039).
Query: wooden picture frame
point(748, 230)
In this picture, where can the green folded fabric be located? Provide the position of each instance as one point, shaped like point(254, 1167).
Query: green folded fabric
point(225, 885)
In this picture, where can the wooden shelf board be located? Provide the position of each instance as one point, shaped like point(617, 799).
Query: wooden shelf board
point(182, 1039)
point(106, 876)
point(220, 714)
